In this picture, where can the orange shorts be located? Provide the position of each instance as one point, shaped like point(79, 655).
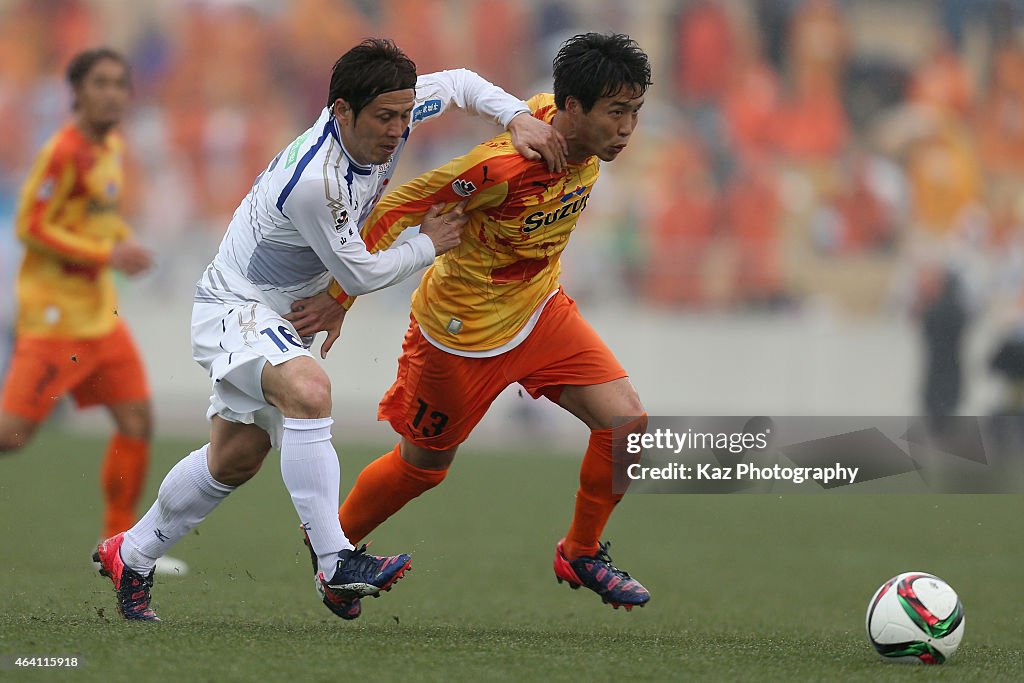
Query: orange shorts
point(100, 371)
point(438, 397)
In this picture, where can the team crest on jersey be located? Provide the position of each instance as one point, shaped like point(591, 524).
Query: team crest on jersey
point(463, 187)
point(339, 213)
point(340, 219)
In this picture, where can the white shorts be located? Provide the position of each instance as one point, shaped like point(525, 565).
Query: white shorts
point(233, 343)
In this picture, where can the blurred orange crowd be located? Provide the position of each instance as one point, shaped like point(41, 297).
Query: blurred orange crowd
point(777, 158)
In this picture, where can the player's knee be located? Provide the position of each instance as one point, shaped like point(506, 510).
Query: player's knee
point(628, 407)
point(312, 397)
point(305, 395)
point(426, 459)
point(638, 424)
point(136, 423)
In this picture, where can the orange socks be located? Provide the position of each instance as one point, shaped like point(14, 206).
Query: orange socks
point(123, 473)
point(594, 499)
point(381, 490)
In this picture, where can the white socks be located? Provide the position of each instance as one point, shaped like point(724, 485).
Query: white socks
point(187, 495)
point(312, 475)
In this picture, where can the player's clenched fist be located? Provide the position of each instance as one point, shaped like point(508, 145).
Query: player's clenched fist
point(444, 229)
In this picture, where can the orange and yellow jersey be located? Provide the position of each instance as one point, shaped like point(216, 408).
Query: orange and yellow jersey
point(67, 218)
point(481, 295)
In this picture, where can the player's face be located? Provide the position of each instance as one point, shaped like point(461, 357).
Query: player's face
point(103, 95)
point(604, 131)
point(373, 136)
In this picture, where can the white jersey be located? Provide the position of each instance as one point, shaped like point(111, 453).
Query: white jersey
point(300, 223)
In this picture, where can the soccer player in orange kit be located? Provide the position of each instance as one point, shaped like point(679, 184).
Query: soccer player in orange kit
point(69, 338)
point(491, 311)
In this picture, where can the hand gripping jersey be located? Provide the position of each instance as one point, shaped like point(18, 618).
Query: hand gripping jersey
point(300, 223)
point(483, 297)
point(67, 218)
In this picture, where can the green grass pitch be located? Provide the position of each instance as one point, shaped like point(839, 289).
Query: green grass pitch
point(755, 587)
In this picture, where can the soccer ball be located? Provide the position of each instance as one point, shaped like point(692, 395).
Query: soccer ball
point(915, 617)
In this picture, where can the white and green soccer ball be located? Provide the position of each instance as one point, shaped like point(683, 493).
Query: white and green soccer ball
point(915, 617)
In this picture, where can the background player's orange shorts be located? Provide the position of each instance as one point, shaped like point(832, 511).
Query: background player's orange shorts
point(438, 397)
point(100, 371)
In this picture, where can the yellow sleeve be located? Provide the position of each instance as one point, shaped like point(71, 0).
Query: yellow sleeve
point(43, 199)
point(481, 176)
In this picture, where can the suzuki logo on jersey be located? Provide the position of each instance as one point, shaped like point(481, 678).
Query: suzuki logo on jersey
point(428, 108)
point(570, 207)
point(463, 187)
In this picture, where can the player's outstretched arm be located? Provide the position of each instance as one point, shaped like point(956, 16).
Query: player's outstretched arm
point(337, 242)
point(323, 312)
point(463, 88)
point(478, 180)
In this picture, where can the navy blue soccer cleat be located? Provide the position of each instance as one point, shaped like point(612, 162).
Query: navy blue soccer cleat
point(616, 587)
point(346, 609)
point(360, 574)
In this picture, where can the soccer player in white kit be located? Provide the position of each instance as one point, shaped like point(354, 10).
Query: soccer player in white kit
point(298, 226)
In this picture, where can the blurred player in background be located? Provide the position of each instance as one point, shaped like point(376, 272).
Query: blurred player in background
point(70, 339)
point(491, 311)
point(299, 226)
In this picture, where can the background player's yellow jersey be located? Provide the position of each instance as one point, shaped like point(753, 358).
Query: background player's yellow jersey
point(68, 221)
point(478, 296)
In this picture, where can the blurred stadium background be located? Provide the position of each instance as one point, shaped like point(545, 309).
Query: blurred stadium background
point(803, 172)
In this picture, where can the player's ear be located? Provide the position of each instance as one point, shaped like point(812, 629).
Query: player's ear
point(342, 110)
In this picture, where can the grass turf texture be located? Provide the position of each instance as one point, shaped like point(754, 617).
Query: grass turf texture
point(754, 587)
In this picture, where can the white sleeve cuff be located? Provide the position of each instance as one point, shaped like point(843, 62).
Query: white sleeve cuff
point(507, 116)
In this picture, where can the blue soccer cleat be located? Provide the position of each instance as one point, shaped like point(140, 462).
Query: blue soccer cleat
point(344, 608)
point(360, 574)
point(131, 587)
point(616, 587)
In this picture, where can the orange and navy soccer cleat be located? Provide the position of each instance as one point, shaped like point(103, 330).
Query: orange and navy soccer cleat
point(616, 587)
point(346, 609)
point(131, 587)
point(360, 574)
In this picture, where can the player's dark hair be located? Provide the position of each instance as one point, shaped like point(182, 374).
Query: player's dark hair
point(82, 63)
point(372, 67)
point(594, 65)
